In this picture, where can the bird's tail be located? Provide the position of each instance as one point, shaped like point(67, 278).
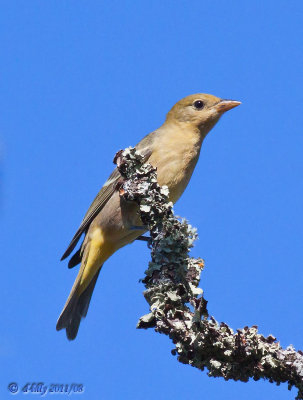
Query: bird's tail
point(76, 307)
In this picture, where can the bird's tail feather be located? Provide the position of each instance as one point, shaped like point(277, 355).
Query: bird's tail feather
point(76, 307)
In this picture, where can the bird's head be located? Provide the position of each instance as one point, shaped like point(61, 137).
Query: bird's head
point(200, 110)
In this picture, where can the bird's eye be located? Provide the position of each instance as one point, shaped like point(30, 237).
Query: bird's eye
point(198, 104)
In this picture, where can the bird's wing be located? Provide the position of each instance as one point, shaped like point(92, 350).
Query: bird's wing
point(96, 206)
point(101, 199)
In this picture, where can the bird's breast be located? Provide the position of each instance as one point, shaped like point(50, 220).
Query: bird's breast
point(175, 158)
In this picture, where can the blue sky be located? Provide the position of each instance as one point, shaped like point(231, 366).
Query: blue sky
point(81, 80)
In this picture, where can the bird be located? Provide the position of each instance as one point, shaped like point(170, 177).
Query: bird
point(110, 222)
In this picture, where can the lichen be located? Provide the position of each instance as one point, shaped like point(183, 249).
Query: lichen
point(177, 306)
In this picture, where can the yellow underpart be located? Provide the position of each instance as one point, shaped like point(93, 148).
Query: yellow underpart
point(100, 250)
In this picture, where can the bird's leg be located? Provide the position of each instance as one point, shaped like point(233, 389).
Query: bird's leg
point(138, 228)
point(143, 238)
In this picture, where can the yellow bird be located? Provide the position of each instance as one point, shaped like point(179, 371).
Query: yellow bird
point(110, 223)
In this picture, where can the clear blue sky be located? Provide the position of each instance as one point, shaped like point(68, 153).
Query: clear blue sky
point(83, 79)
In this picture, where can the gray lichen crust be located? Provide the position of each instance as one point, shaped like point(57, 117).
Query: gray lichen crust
point(177, 306)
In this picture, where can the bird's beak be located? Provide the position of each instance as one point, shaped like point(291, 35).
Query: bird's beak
point(225, 105)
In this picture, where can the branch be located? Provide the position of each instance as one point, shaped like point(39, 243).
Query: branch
point(177, 306)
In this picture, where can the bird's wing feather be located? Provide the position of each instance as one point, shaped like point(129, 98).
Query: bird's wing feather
point(101, 199)
point(96, 206)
